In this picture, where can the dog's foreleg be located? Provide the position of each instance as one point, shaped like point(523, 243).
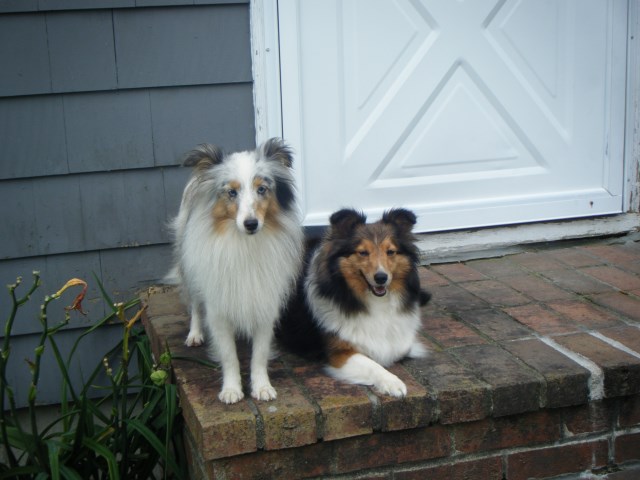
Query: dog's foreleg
point(361, 370)
point(195, 338)
point(224, 341)
point(261, 388)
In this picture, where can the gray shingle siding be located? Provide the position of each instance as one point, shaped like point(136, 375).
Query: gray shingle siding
point(98, 100)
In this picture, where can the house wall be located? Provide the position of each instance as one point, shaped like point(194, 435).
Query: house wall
point(98, 100)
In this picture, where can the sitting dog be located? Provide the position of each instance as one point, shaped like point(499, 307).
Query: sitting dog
point(238, 251)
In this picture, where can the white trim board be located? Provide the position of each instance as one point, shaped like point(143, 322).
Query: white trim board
point(632, 124)
point(265, 49)
point(491, 242)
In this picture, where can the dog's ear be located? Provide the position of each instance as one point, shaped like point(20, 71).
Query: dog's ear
point(344, 221)
point(203, 157)
point(276, 150)
point(403, 219)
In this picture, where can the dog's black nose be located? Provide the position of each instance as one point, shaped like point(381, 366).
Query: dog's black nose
point(251, 225)
point(380, 278)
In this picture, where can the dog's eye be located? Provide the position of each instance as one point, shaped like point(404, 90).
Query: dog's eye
point(233, 193)
point(261, 190)
point(391, 252)
point(363, 253)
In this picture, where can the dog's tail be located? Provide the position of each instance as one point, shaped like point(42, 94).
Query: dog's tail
point(173, 277)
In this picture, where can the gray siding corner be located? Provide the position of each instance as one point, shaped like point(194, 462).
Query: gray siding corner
point(98, 101)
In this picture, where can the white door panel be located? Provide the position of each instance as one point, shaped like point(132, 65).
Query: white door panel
point(472, 113)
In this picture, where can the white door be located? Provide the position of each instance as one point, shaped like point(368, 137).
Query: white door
point(471, 113)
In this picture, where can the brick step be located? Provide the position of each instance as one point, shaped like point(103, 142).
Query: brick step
point(534, 371)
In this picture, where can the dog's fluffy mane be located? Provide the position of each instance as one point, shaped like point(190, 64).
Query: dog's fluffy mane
point(245, 269)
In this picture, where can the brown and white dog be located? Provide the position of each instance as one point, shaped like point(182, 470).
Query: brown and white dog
point(359, 305)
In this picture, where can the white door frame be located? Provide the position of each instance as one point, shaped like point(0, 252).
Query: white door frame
point(268, 123)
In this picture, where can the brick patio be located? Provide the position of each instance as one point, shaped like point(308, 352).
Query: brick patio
point(534, 372)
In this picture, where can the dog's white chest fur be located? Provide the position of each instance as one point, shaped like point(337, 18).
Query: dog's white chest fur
point(247, 278)
point(385, 333)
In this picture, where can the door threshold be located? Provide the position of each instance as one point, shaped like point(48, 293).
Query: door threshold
point(462, 245)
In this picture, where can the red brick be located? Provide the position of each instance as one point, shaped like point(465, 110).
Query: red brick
point(601, 353)
point(310, 461)
point(537, 261)
point(458, 272)
point(498, 268)
point(577, 282)
point(496, 293)
point(537, 288)
point(555, 461)
point(594, 417)
point(575, 257)
point(633, 267)
point(626, 305)
point(417, 409)
point(627, 448)
point(166, 330)
point(449, 332)
point(454, 298)
point(615, 254)
point(494, 324)
point(346, 409)
point(187, 371)
point(632, 246)
point(460, 396)
point(629, 412)
point(430, 278)
point(541, 320)
point(507, 432)
point(195, 463)
point(631, 472)
point(626, 335)
point(613, 276)
point(290, 419)
point(585, 314)
point(514, 388)
point(621, 370)
point(485, 469)
point(163, 300)
point(219, 430)
point(566, 381)
point(391, 448)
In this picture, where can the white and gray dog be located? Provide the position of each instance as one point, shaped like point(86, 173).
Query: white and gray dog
point(238, 249)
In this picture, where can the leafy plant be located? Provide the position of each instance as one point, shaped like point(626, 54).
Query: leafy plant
point(133, 431)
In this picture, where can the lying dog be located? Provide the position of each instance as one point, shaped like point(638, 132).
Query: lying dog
point(358, 306)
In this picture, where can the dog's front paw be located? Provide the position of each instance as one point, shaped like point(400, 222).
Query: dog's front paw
point(230, 395)
point(391, 385)
point(194, 339)
point(264, 392)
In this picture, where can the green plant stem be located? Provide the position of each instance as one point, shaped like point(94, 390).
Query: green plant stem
point(124, 381)
point(4, 360)
point(35, 374)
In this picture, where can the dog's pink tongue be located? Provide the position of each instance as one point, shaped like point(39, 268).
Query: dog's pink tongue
point(379, 291)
